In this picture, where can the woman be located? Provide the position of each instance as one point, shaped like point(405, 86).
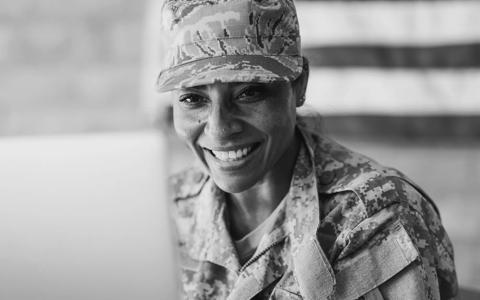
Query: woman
point(276, 210)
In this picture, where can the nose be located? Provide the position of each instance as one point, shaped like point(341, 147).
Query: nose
point(222, 122)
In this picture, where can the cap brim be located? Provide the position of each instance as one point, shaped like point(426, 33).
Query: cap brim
point(238, 68)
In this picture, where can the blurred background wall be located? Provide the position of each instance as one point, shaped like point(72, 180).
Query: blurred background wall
point(397, 80)
point(70, 66)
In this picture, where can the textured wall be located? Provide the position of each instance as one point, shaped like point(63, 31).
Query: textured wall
point(68, 66)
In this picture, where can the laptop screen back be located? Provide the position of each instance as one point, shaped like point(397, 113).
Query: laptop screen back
point(85, 217)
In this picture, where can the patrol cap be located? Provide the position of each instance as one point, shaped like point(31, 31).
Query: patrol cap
point(229, 41)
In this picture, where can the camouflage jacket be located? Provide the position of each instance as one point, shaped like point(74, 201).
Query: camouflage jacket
point(349, 229)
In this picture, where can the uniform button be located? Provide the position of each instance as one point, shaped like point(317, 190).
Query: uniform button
point(327, 177)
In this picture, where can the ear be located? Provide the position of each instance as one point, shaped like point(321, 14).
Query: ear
point(300, 84)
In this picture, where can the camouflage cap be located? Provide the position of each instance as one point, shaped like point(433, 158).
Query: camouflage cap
point(229, 41)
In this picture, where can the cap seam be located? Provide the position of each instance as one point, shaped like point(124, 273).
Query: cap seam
point(235, 37)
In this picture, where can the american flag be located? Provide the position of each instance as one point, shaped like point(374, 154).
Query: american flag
point(411, 66)
point(392, 57)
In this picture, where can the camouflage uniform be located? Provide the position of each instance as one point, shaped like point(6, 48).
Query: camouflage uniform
point(349, 228)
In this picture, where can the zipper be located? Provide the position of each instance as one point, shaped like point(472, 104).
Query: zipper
point(255, 257)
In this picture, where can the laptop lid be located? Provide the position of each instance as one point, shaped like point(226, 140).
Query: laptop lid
point(85, 217)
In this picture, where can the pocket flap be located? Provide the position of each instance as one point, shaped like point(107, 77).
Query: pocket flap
point(372, 266)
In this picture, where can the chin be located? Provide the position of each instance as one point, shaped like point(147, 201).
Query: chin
point(232, 185)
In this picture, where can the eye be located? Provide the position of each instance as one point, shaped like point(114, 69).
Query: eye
point(251, 93)
point(191, 100)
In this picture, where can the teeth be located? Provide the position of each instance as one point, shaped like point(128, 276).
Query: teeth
point(232, 155)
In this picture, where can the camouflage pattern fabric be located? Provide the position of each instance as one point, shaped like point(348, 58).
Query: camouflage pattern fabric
point(349, 229)
point(229, 41)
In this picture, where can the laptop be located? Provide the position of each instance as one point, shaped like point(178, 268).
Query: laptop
point(86, 217)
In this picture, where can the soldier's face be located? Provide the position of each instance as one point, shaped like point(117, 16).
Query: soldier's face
point(241, 132)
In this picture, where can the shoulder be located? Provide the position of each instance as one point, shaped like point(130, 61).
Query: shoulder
point(187, 183)
point(340, 170)
point(353, 189)
point(357, 189)
point(184, 187)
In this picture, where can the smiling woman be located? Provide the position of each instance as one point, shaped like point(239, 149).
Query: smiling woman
point(276, 210)
point(241, 132)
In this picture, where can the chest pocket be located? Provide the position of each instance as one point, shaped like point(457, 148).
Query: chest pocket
point(359, 275)
point(374, 265)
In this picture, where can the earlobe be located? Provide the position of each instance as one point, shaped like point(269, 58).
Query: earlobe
point(300, 100)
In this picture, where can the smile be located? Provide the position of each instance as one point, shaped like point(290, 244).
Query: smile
point(233, 154)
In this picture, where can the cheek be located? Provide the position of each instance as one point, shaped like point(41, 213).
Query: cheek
point(187, 125)
point(281, 120)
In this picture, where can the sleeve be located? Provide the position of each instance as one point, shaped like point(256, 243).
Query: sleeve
point(398, 250)
point(433, 273)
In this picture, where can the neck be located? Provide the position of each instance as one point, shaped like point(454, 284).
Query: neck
point(251, 207)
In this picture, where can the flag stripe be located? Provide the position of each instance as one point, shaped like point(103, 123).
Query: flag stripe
point(448, 56)
point(394, 91)
point(415, 23)
point(422, 127)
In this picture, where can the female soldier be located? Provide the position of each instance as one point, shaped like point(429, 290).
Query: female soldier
point(276, 210)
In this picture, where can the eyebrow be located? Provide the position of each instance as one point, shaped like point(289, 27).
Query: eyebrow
point(200, 88)
point(236, 85)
